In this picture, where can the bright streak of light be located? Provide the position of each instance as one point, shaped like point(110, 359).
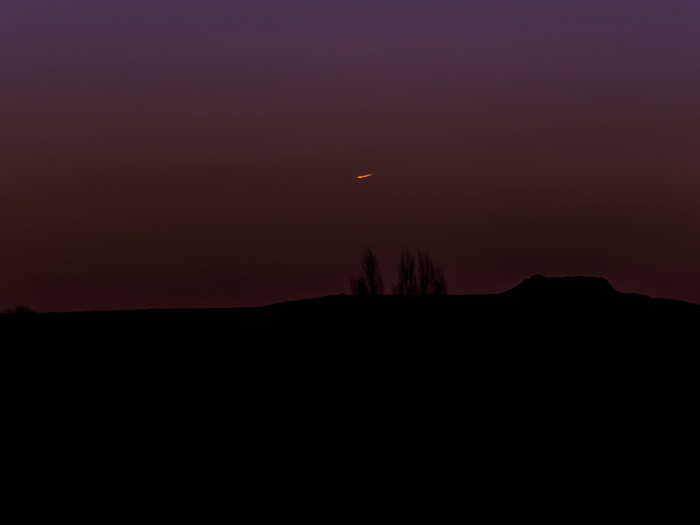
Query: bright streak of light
point(364, 176)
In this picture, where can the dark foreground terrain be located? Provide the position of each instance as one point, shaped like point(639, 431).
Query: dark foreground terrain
point(559, 398)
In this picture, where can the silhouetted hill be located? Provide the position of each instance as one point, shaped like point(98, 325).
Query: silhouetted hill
point(569, 301)
point(549, 384)
point(573, 288)
point(559, 310)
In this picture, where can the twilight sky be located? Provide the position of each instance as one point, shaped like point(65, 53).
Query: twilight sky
point(162, 153)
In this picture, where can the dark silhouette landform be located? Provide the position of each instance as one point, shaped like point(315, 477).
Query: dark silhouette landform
point(557, 375)
point(537, 309)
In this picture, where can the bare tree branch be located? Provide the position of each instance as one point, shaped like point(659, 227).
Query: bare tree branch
point(407, 284)
point(370, 282)
point(419, 275)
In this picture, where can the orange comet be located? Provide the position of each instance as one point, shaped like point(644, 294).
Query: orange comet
point(364, 176)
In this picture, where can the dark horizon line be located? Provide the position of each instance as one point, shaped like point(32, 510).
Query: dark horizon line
point(590, 279)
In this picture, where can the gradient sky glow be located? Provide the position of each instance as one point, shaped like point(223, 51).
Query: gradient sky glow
point(205, 153)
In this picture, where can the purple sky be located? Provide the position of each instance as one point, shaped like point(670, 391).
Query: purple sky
point(203, 153)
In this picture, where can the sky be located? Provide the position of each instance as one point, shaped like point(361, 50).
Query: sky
point(204, 153)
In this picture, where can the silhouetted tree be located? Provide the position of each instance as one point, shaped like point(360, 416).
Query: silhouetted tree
point(419, 275)
point(370, 281)
point(407, 284)
point(431, 280)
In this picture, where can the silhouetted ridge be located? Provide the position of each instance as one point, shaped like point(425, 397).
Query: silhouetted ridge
point(572, 288)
